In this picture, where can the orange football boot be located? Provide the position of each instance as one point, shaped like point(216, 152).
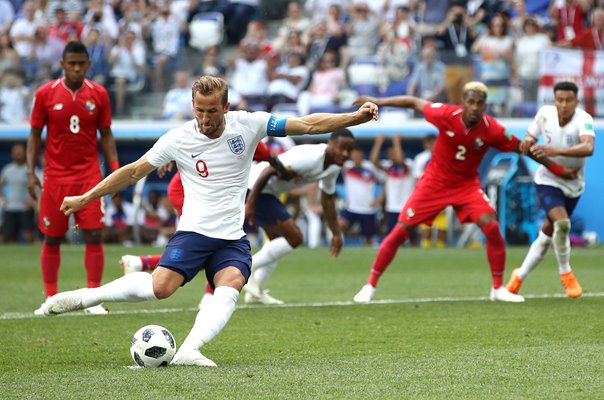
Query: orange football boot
point(571, 285)
point(515, 282)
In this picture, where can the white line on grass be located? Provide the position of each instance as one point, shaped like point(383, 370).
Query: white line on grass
point(7, 316)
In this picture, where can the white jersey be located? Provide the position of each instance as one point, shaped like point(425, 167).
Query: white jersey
point(420, 162)
point(546, 125)
point(360, 183)
point(399, 184)
point(307, 161)
point(214, 172)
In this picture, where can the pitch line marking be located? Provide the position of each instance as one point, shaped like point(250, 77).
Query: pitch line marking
point(12, 316)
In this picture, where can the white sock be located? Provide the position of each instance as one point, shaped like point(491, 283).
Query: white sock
point(314, 229)
point(131, 288)
point(260, 276)
point(271, 252)
point(535, 254)
point(212, 317)
point(561, 240)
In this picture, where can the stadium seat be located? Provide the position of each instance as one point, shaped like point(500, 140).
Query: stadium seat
point(360, 73)
point(206, 30)
point(285, 109)
point(397, 88)
point(524, 110)
point(366, 89)
point(334, 108)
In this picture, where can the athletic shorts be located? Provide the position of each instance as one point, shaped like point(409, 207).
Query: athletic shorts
point(365, 221)
point(427, 200)
point(269, 210)
point(551, 197)
point(189, 252)
point(52, 222)
point(15, 221)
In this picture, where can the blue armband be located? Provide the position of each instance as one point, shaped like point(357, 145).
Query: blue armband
point(276, 126)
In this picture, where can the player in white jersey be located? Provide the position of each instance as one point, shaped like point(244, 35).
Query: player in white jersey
point(213, 153)
point(399, 182)
point(569, 139)
point(311, 163)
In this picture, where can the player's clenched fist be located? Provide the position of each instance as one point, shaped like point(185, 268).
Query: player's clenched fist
point(71, 204)
point(370, 110)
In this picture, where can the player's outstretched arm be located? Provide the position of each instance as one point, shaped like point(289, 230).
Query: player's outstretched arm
point(120, 179)
point(318, 123)
point(584, 149)
point(396, 101)
point(328, 202)
point(554, 167)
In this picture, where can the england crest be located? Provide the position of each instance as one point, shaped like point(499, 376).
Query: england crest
point(237, 144)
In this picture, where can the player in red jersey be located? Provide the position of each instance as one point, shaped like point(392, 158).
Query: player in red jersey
point(72, 108)
point(451, 178)
point(176, 196)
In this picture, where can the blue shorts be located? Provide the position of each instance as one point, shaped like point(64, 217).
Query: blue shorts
point(391, 220)
point(551, 197)
point(188, 252)
point(269, 210)
point(366, 221)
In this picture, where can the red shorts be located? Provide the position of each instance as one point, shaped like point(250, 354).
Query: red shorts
point(176, 193)
point(468, 200)
point(52, 222)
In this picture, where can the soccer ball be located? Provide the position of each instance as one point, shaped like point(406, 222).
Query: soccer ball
point(152, 346)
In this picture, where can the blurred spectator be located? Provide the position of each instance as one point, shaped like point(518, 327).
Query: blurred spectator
point(47, 50)
point(318, 9)
point(496, 49)
point(455, 38)
point(63, 29)
point(14, 98)
point(165, 38)
point(336, 27)
point(131, 19)
point(318, 43)
point(293, 44)
point(119, 220)
point(101, 16)
point(363, 31)
point(99, 64)
point(73, 9)
point(250, 73)
point(294, 22)
point(427, 78)
point(17, 206)
point(22, 34)
point(160, 219)
point(210, 64)
point(178, 101)
point(325, 85)
point(568, 17)
point(288, 80)
point(279, 145)
point(389, 8)
point(127, 61)
point(256, 32)
point(591, 38)
point(7, 15)
point(528, 48)
point(394, 58)
point(360, 180)
point(432, 13)
point(9, 58)
point(477, 14)
point(404, 27)
point(237, 16)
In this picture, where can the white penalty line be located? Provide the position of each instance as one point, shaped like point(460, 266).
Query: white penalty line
point(9, 316)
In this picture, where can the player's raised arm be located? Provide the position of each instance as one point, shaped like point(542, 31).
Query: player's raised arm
point(120, 179)
point(396, 101)
point(324, 122)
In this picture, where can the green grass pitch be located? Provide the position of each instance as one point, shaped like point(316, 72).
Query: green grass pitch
point(431, 334)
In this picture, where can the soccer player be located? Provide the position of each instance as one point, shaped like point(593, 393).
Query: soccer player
point(451, 178)
point(72, 108)
point(312, 163)
point(213, 153)
point(569, 137)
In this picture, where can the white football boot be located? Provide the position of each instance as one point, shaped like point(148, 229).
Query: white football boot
point(63, 302)
point(365, 294)
point(191, 357)
point(96, 310)
point(264, 298)
point(503, 294)
point(40, 310)
point(131, 263)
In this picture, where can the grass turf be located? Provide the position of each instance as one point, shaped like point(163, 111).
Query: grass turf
point(459, 347)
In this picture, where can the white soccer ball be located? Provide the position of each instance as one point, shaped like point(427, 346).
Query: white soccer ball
point(591, 238)
point(152, 346)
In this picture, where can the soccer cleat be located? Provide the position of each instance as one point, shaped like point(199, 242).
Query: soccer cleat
point(365, 294)
point(252, 288)
point(503, 294)
point(515, 282)
point(204, 300)
point(96, 310)
point(40, 310)
point(264, 298)
point(571, 285)
point(63, 302)
point(131, 263)
point(192, 357)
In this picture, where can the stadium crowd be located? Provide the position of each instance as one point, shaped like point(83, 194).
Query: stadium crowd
point(317, 56)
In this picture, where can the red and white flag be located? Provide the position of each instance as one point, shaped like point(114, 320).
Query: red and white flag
point(585, 68)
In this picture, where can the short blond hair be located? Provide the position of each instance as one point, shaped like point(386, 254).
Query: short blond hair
point(475, 86)
point(208, 85)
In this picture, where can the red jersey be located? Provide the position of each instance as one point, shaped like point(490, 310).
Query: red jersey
point(72, 120)
point(458, 150)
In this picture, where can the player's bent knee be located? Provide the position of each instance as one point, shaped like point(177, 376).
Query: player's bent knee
point(229, 276)
point(562, 226)
point(295, 240)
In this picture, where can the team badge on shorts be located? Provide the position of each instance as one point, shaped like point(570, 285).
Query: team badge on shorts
point(237, 144)
point(90, 106)
point(177, 254)
point(410, 213)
